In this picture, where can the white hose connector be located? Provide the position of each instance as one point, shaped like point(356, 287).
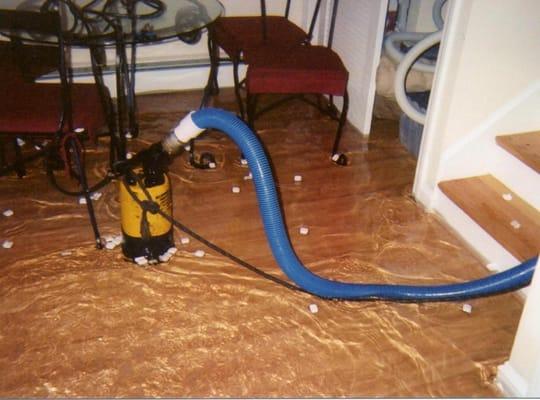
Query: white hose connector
point(187, 129)
point(401, 76)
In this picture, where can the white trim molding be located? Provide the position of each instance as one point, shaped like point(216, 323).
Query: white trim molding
point(520, 375)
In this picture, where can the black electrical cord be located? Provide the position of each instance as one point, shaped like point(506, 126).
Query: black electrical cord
point(151, 206)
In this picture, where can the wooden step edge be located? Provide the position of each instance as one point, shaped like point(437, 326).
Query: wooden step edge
point(506, 217)
point(524, 146)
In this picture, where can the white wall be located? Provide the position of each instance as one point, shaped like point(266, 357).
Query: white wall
point(358, 41)
point(489, 57)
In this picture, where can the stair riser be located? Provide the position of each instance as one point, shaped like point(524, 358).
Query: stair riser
point(477, 238)
point(520, 178)
point(492, 159)
point(488, 248)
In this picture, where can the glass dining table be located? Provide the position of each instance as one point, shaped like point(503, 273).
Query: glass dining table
point(123, 24)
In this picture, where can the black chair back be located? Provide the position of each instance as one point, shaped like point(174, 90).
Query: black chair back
point(312, 23)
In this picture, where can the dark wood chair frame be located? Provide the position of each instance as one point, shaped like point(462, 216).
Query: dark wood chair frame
point(330, 109)
point(48, 22)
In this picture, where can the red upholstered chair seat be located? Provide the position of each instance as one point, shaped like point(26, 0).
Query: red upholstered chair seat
point(36, 107)
point(304, 69)
point(236, 35)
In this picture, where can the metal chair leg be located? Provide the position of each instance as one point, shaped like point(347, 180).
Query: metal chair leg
point(84, 184)
point(2, 154)
point(19, 160)
point(251, 109)
point(236, 63)
point(214, 63)
point(211, 87)
point(341, 124)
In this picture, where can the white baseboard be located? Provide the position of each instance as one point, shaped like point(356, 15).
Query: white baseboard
point(174, 79)
point(511, 382)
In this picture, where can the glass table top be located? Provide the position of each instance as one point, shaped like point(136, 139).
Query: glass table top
point(154, 20)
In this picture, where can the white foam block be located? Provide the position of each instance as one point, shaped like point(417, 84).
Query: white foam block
point(118, 239)
point(236, 189)
point(184, 240)
point(165, 257)
point(8, 213)
point(313, 308)
point(494, 267)
point(467, 308)
point(515, 224)
point(7, 244)
point(199, 253)
point(304, 230)
point(298, 178)
point(141, 260)
point(243, 161)
point(212, 165)
point(96, 195)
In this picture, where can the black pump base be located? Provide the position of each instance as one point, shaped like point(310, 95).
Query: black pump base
point(151, 249)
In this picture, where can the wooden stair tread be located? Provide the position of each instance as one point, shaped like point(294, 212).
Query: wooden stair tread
point(481, 198)
point(524, 146)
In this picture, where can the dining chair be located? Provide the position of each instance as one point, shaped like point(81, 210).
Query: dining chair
point(239, 37)
point(296, 72)
point(61, 115)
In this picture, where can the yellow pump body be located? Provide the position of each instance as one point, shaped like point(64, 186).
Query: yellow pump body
point(153, 238)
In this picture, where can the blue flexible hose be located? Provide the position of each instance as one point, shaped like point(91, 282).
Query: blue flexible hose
point(286, 258)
